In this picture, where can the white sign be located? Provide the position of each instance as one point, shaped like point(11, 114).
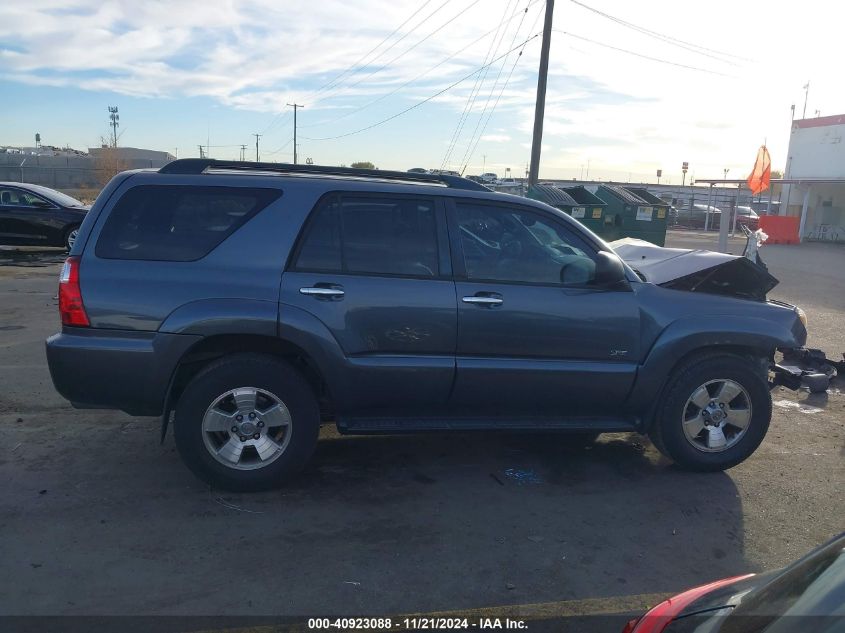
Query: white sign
point(578, 212)
point(644, 213)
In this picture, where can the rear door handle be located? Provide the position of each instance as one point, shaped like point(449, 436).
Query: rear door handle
point(323, 293)
point(484, 300)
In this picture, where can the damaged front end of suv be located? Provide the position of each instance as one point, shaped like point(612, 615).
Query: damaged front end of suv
point(739, 276)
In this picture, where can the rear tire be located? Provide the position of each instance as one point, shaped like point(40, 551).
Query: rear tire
point(244, 453)
point(727, 432)
point(70, 237)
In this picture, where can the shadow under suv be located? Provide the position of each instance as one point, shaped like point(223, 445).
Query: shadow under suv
point(248, 303)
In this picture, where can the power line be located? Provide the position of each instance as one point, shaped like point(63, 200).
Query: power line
point(279, 149)
point(353, 66)
point(496, 82)
point(468, 154)
point(649, 57)
point(426, 100)
point(377, 46)
point(674, 41)
point(358, 66)
point(412, 80)
point(408, 50)
point(339, 87)
point(476, 89)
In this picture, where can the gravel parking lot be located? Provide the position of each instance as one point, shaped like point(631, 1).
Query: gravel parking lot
point(98, 518)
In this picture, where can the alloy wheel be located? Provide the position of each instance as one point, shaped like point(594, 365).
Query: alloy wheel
point(716, 415)
point(246, 428)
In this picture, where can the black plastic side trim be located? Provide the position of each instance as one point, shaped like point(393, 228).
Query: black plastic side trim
point(366, 425)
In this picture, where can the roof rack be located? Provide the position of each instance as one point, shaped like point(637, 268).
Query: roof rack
point(200, 165)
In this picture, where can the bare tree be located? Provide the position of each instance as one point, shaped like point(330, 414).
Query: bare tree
point(107, 164)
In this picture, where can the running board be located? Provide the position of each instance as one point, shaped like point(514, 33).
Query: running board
point(351, 424)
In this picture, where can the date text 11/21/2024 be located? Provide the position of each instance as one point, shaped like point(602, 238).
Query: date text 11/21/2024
point(415, 624)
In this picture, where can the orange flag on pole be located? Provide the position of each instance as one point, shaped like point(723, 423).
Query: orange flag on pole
point(758, 181)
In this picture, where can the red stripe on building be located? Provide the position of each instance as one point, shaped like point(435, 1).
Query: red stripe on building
point(820, 121)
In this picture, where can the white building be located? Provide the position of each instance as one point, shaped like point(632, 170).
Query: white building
point(814, 182)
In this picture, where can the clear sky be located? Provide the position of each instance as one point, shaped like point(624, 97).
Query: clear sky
point(704, 82)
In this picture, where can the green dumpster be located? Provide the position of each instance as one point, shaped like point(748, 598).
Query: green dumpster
point(589, 210)
point(655, 232)
point(574, 201)
point(628, 215)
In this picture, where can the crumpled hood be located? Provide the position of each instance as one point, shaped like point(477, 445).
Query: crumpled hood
point(696, 270)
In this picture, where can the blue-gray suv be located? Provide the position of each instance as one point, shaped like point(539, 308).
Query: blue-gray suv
point(246, 304)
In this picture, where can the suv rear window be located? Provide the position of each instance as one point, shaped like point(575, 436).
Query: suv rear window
point(177, 223)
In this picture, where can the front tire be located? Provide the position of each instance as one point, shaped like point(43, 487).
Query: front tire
point(246, 422)
point(715, 413)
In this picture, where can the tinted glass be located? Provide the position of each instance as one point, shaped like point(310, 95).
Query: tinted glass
point(321, 250)
point(177, 223)
point(511, 244)
point(56, 196)
point(381, 236)
point(20, 198)
point(9, 197)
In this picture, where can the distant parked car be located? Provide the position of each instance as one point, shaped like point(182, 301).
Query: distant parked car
point(417, 170)
point(696, 217)
point(748, 217)
point(508, 182)
point(489, 177)
point(31, 215)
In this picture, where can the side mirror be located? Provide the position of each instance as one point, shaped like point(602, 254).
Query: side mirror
point(609, 269)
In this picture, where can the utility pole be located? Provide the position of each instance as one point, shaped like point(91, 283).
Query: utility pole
point(295, 107)
point(202, 151)
point(257, 136)
point(540, 106)
point(243, 153)
point(806, 94)
point(114, 117)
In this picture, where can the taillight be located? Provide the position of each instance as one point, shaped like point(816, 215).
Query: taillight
point(659, 617)
point(70, 295)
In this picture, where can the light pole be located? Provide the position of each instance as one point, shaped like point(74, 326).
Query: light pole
point(806, 95)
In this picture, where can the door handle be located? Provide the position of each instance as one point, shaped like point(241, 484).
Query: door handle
point(484, 301)
point(323, 293)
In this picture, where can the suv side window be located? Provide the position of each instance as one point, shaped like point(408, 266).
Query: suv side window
point(372, 235)
point(512, 244)
point(177, 223)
